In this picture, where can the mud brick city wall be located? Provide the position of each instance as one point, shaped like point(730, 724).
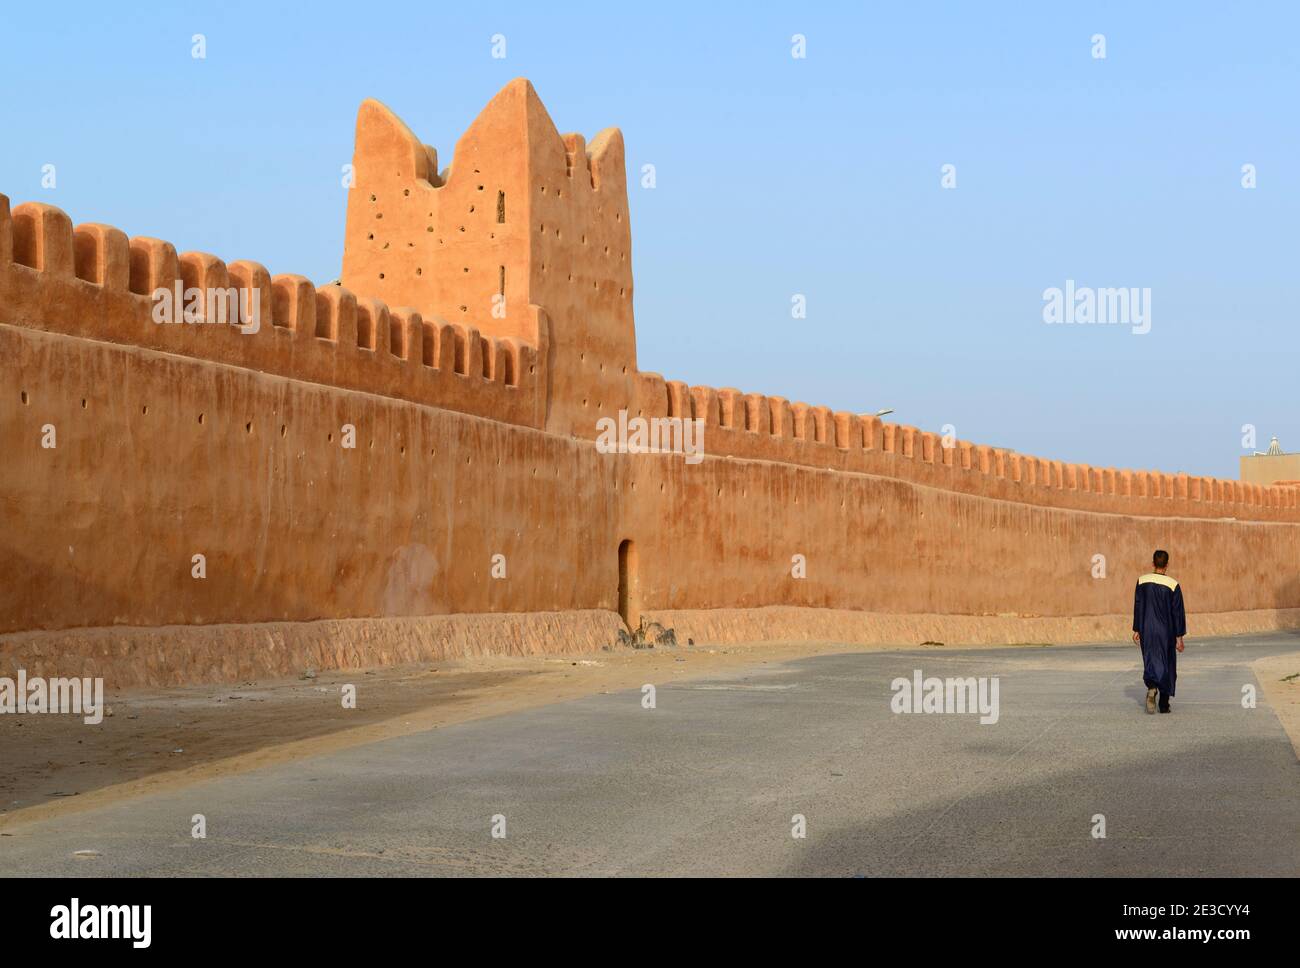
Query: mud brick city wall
point(475, 436)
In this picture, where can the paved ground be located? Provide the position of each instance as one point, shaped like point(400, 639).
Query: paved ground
point(707, 783)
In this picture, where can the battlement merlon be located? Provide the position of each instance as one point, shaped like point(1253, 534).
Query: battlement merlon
point(524, 216)
point(91, 281)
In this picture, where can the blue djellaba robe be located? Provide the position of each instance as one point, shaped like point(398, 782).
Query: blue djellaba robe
point(1159, 619)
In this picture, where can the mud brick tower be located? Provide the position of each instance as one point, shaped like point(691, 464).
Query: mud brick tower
point(525, 237)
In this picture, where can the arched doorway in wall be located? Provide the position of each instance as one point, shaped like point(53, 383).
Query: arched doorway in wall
point(629, 602)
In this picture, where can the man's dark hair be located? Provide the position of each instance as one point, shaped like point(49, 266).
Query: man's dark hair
point(1160, 559)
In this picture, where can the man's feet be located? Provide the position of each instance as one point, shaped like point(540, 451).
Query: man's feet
point(1165, 709)
point(1151, 700)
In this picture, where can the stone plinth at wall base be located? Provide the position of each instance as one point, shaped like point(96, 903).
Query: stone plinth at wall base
point(783, 623)
point(127, 657)
point(190, 654)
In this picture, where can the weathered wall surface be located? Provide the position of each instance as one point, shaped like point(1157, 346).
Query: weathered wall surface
point(475, 438)
point(160, 457)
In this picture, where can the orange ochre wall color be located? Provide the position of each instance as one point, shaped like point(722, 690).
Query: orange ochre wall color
point(475, 431)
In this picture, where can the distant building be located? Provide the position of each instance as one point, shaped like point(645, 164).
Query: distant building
point(1271, 467)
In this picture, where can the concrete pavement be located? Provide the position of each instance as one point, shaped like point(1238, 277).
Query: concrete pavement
point(708, 782)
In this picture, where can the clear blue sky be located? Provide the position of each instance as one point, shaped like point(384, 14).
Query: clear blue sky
point(776, 176)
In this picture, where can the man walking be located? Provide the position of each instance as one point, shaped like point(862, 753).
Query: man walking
point(1159, 624)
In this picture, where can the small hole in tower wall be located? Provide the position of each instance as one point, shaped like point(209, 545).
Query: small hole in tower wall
point(24, 396)
point(501, 207)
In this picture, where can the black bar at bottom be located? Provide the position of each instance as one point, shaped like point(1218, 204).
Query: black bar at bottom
point(908, 917)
